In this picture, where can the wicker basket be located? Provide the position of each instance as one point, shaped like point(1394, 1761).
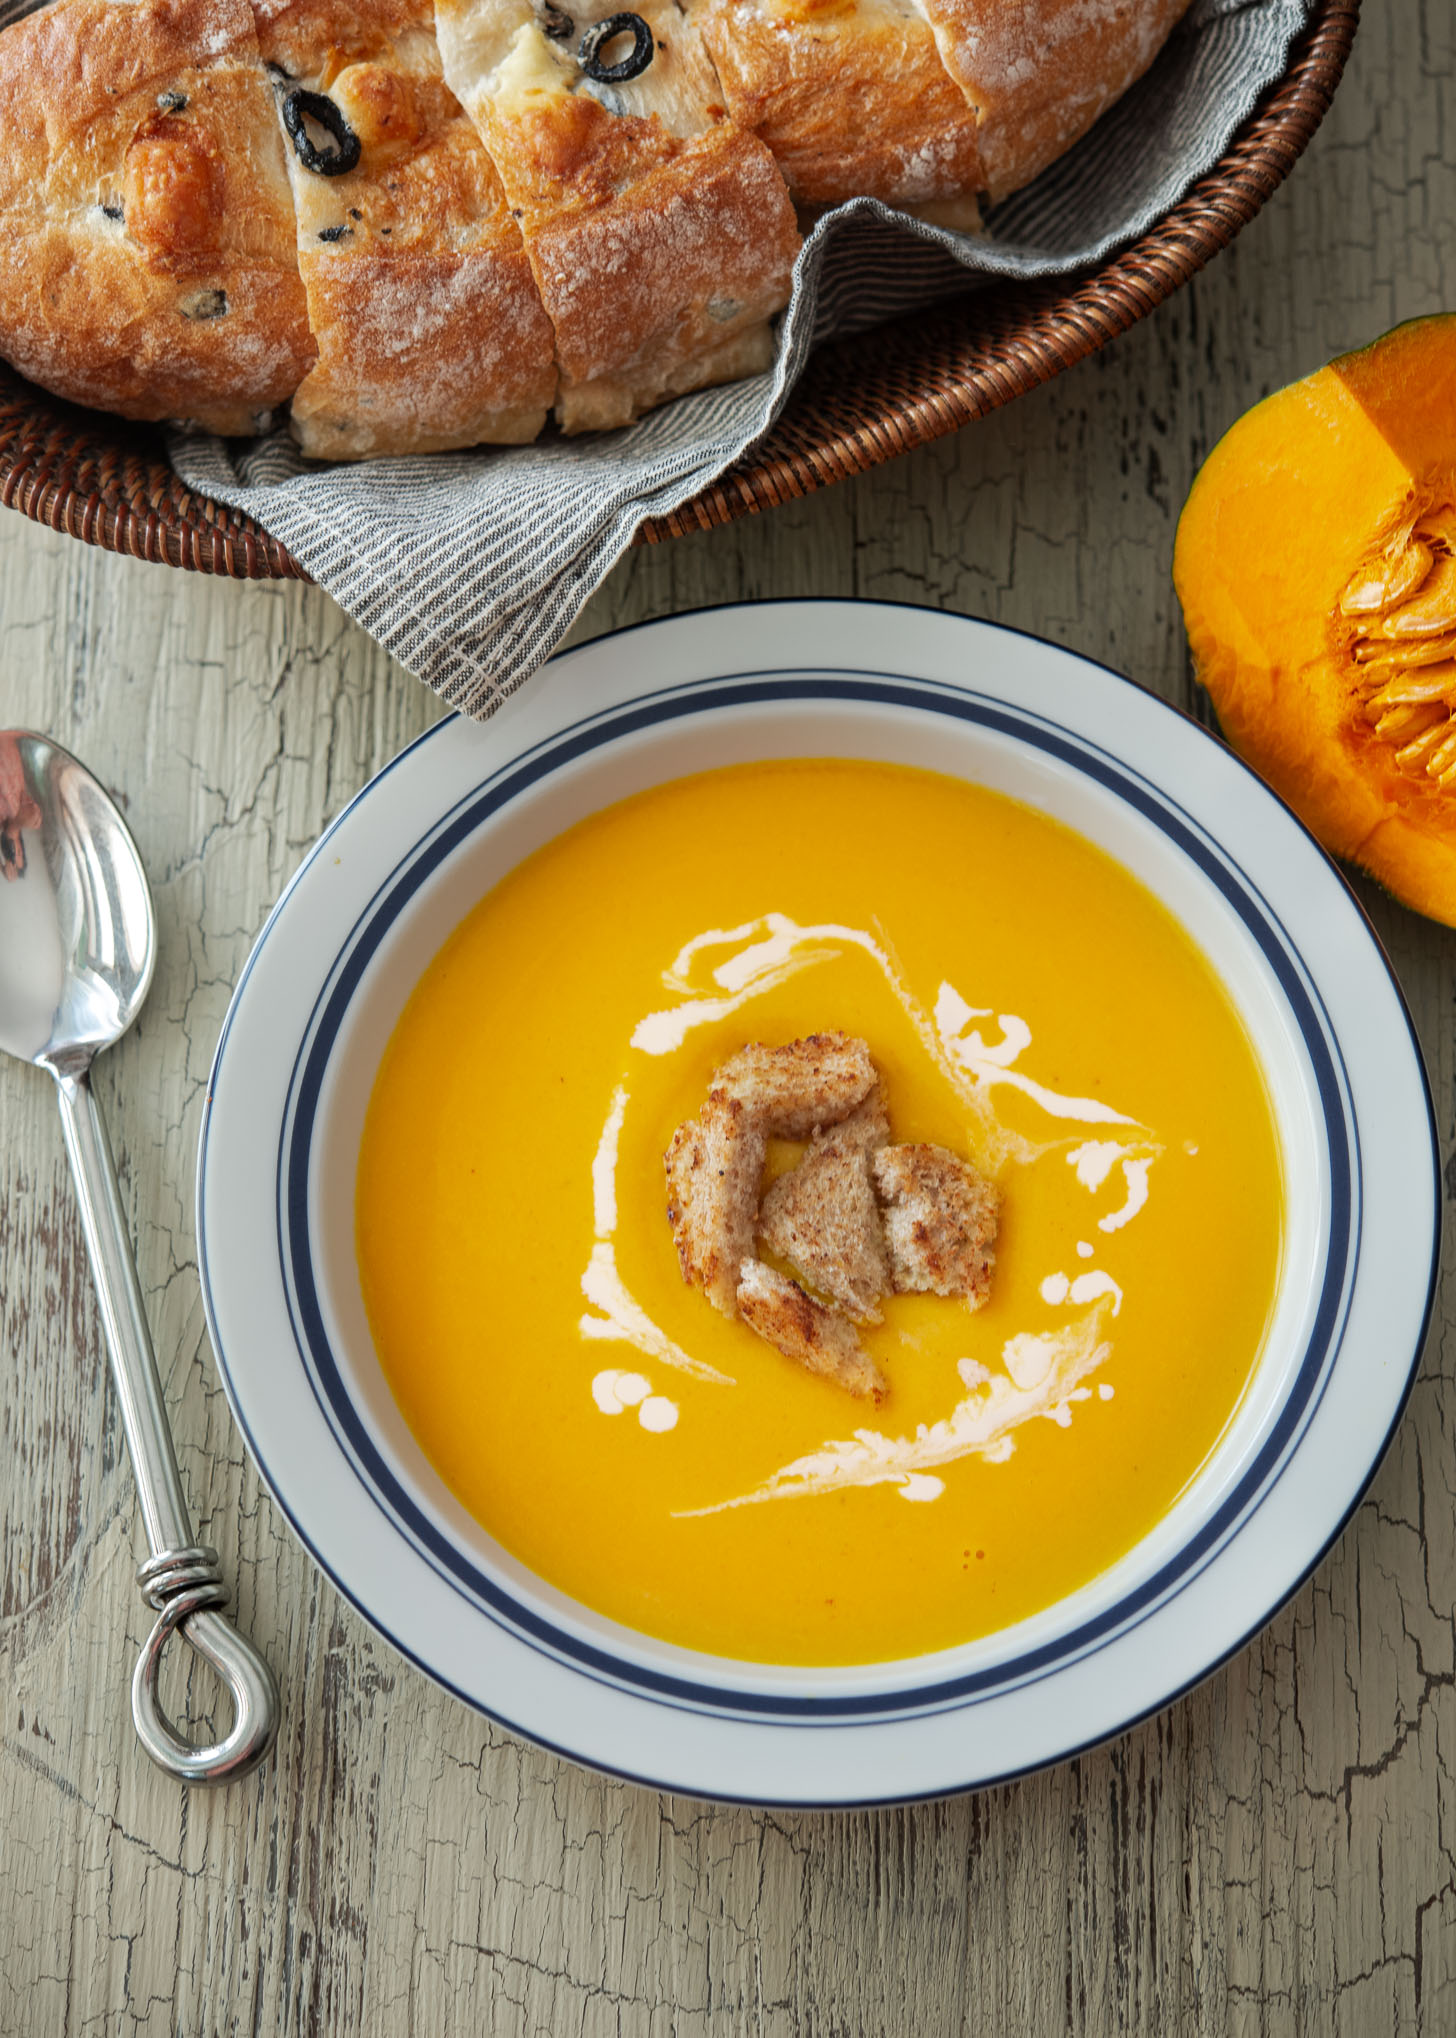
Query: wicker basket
point(860, 401)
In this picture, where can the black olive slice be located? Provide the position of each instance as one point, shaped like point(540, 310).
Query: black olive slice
point(299, 108)
point(558, 23)
point(601, 33)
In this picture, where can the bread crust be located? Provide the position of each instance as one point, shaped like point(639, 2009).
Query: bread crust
point(795, 1324)
point(1040, 72)
point(598, 245)
point(661, 245)
point(420, 353)
point(316, 39)
point(431, 333)
point(714, 1166)
point(802, 1086)
point(851, 97)
point(146, 233)
point(668, 285)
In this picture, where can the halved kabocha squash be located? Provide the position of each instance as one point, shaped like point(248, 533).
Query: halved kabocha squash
point(1316, 565)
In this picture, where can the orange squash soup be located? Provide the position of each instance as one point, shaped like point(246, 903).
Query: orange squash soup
point(1030, 1008)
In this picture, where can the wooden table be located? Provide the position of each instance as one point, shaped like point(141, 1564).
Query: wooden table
point(1276, 1853)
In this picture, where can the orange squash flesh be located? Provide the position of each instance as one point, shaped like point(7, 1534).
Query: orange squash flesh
point(1316, 566)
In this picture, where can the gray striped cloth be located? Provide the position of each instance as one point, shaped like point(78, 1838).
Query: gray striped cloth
point(470, 567)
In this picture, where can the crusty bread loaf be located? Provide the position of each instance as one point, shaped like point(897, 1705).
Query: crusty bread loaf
point(527, 206)
point(147, 257)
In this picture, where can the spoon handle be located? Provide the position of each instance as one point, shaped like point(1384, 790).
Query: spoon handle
point(181, 1579)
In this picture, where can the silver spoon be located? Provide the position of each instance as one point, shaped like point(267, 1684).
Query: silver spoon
point(77, 944)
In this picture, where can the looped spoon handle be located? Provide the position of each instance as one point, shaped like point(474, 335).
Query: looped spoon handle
point(181, 1579)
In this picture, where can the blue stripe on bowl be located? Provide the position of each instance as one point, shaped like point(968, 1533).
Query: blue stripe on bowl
point(499, 1604)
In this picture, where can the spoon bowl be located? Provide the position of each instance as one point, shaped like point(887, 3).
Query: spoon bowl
point(78, 937)
point(78, 944)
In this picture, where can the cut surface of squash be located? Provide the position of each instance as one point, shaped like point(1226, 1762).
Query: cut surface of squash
point(1316, 566)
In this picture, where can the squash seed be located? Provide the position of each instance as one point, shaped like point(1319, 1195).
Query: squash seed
point(1384, 582)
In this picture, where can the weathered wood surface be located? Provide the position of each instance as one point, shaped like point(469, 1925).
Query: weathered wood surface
point(1274, 1854)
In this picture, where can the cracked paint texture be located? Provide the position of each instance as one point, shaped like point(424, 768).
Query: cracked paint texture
point(1275, 1854)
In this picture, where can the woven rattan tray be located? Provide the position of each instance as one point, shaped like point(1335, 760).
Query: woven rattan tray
point(859, 402)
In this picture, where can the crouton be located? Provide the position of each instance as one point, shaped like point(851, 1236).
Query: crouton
point(791, 1090)
point(714, 1166)
point(939, 1221)
point(823, 1219)
point(800, 1328)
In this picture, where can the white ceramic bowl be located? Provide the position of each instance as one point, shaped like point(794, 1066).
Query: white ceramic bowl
point(400, 868)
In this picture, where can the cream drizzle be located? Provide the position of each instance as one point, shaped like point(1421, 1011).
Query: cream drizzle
point(623, 1320)
point(777, 947)
point(1088, 1287)
point(604, 1166)
point(988, 1066)
point(982, 1423)
point(614, 1392)
point(1094, 1161)
point(1135, 1174)
point(622, 1317)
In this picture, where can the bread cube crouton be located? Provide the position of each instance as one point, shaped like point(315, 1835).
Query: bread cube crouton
point(822, 1217)
point(856, 1219)
point(940, 1221)
point(820, 1339)
point(809, 1083)
point(714, 1166)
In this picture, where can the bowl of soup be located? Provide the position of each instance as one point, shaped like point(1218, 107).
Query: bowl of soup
point(1082, 955)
